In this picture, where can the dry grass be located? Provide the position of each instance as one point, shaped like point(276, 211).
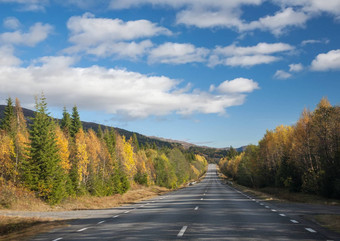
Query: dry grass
point(19, 228)
point(136, 194)
point(329, 221)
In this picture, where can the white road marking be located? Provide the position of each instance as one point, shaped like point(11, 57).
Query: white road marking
point(116, 216)
point(201, 198)
point(81, 230)
point(310, 230)
point(282, 215)
point(196, 208)
point(127, 211)
point(153, 201)
point(203, 194)
point(57, 239)
point(180, 234)
point(100, 222)
point(261, 204)
point(267, 207)
point(273, 210)
point(294, 221)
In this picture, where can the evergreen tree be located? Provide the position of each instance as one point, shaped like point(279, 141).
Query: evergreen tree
point(100, 132)
point(9, 117)
point(135, 142)
point(66, 122)
point(43, 168)
point(76, 123)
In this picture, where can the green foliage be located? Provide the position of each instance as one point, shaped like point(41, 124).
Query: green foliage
point(7, 122)
point(65, 123)
point(141, 178)
point(76, 124)
point(43, 171)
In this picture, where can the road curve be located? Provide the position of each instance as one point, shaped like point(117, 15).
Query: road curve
point(208, 210)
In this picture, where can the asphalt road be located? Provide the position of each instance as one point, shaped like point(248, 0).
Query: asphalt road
point(208, 210)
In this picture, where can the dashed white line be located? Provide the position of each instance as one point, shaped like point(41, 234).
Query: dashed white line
point(57, 239)
point(116, 216)
point(196, 208)
point(81, 230)
point(127, 211)
point(267, 207)
point(181, 233)
point(310, 230)
point(201, 198)
point(282, 215)
point(294, 221)
point(100, 222)
point(261, 204)
point(273, 210)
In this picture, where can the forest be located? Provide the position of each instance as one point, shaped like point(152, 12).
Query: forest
point(59, 159)
point(304, 157)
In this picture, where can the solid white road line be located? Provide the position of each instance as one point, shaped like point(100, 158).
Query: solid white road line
point(181, 233)
point(81, 230)
point(282, 215)
point(294, 221)
point(57, 239)
point(310, 230)
point(100, 222)
point(196, 208)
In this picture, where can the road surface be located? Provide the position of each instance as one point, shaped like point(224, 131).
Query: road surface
point(208, 210)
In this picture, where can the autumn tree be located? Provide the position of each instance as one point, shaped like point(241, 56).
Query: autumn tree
point(43, 168)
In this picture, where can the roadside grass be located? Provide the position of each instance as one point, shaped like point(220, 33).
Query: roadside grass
point(20, 228)
point(282, 195)
point(328, 221)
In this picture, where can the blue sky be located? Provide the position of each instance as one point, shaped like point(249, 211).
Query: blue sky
point(215, 73)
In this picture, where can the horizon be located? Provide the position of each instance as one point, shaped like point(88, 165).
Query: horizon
point(215, 73)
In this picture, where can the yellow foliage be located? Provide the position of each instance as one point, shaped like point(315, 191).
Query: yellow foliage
point(63, 149)
point(7, 155)
point(81, 155)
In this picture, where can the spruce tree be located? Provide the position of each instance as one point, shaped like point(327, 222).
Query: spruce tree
point(76, 123)
point(9, 117)
point(44, 173)
point(66, 122)
point(100, 132)
point(135, 142)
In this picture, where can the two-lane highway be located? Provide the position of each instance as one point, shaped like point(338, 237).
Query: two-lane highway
point(208, 210)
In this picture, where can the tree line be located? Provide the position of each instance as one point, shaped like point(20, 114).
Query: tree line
point(304, 157)
point(59, 159)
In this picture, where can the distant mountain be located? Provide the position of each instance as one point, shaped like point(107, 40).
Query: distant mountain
point(212, 154)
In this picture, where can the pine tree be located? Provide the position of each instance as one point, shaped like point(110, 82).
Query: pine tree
point(100, 132)
point(135, 142)
point(44, 173)
point(7, 122)
point(76, 123)
point(66, 122)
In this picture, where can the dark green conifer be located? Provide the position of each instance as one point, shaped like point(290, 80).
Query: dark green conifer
point(9, 116)
point(66, 122)
point(76, 123)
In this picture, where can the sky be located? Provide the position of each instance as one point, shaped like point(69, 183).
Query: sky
point(217, 73)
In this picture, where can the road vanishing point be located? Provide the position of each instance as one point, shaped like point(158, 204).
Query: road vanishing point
point(208, 210)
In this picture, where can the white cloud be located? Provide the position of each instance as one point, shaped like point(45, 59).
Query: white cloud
point(115, 91)
point(104, 37)
point(177, 53)
point(327, 61)
point(7, 58)
point(314, 41)
point(238, 85)
point(29, 5)
point(11, 23)
point(279, 22)
point(36, 34)
point(262, 53)
point(281, 74)
point(295, 67)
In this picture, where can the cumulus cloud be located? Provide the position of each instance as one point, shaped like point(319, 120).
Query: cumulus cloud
point(262, 53)
point(115, 91)
point(295, 67)
point(327, 61)
point(7, 58)
point(104, 37)
point(238, 85)
point(11, 23)
point(228, 14)
point(36, 34)
point(281, 74)
point(177, 53)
